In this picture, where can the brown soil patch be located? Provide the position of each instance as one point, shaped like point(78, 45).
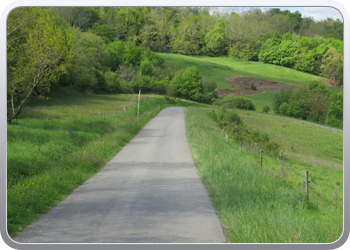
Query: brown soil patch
point(328, 82)
point(252, 86)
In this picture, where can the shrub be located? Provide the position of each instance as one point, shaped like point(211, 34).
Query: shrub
point(285, 109)
point(281, 97)
point(232, 101)
point(335, 112)
point(232, 123)
point(266, 108)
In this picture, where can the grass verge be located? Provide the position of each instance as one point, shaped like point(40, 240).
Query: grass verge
point(261, 205)
point(36, 182)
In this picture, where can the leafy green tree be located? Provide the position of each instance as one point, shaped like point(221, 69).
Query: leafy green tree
point(112, 83)
point(332, 66)
point(310, 101)
point(216, 40)
point(156, 29)
point(147, 67)
point(106, 32)
point(180, 46)
point(285, 109)
point(269, 50)
point(187, 84)
point(45, 55)
point(80, 17)
point(90, 57)
point(151, 56)
point(335, 112)
point(281, 97)
point(19, 23)
point(191, 83)
point(131, 20)
point(149, 61)
point(132, 54)
point(115, 52)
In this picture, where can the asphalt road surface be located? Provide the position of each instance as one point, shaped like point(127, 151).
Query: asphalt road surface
point(150, 192)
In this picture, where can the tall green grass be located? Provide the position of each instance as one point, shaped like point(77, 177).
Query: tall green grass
point(300, 141)
point(260, 205)
point(38, 181)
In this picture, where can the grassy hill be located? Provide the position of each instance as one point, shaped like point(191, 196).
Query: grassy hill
point(263, 205)
point(218, 69)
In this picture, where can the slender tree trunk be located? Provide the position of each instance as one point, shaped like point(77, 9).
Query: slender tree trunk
point(24, 100)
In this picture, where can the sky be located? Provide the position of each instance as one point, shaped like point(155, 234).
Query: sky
point(318, 13)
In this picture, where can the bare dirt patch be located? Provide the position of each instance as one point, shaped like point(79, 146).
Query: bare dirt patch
point(329, 82)
point(252, 86)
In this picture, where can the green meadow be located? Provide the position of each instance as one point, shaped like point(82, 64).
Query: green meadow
point(263, 205)
point(77, 135)
point(218, 69)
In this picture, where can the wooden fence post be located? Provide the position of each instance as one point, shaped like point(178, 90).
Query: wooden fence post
point(124, 109)
point(37, 143)
point(261, 158)
point(223, 132)
point(307, 184)
point(226, 137)
point(240, 147)
point(103, 116)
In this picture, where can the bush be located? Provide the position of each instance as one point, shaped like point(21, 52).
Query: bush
point(231, 101)
point(266, 108)
point(281, 97)
point(285, 109)
point(335, 112)
point(232, 123)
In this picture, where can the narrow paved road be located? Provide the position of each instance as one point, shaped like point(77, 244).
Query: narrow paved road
point(150, 192)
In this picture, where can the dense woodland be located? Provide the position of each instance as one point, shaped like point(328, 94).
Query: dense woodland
point(112, 49)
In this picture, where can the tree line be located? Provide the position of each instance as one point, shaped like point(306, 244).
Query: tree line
point(111, 49)
point(274, 36)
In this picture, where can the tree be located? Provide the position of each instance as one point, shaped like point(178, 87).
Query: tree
point(45, 55)
point(130, 20)
point(115, 52)
point(281, 97)
point(215, 39)
point(332, 66)
point(310, 101)
point(19, 21)
point(90, 57)
point(80, 17)
point(186, 36)
point(155, 31)
point(335, 112)
point(104, 31)
point(132, 54)
point(188, 84)
point(192, 83)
